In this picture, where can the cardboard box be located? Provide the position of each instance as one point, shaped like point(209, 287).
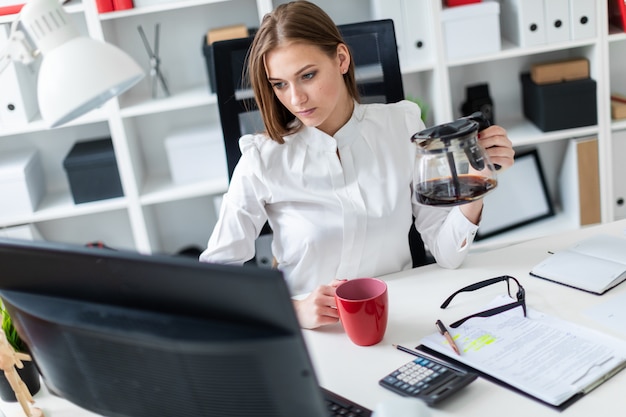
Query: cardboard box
point(92, 172)
point(22, 184)
point(558, 71)
point(226, 32)
point(618, 106)
point(196, 154)
point(558, 106)
point(471, 30)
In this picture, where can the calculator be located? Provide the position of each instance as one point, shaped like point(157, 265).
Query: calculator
point(428, 379)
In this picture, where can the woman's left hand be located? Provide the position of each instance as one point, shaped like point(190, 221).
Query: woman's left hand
point(498, 146)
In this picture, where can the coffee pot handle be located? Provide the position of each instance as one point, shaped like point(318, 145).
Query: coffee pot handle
point(479, 117)
point(474, 156)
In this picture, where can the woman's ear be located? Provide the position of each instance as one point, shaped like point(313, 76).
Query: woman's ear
point(343, 54)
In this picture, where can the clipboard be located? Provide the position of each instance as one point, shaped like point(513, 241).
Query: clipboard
point(557, 363)
point(438, 355)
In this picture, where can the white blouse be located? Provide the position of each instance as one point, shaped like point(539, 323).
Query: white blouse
point(336, 217)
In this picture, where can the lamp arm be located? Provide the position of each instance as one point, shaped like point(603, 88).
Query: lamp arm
point(17, 49)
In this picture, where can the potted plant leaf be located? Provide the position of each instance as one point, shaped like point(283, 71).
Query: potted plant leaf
point(28, 373)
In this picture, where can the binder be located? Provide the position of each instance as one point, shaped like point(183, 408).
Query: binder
point(617, 13)
point(412, 25)
point(418, 31)
point(557, 20)
point(18, 100)
point(523, 21)
point(104, 6)
point(579, 181)
point(618, 147)
point(10, 9)
point(122, 4)
point(583, 21)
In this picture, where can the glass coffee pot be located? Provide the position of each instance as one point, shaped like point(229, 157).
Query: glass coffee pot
point(452, 168)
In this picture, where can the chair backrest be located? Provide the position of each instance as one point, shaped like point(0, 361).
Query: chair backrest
point(374, 51)
point(373, 47)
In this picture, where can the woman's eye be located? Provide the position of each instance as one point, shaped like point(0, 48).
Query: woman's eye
point(308, 75)
point(278, 85)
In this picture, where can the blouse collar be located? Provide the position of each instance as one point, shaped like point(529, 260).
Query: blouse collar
point(317, 139)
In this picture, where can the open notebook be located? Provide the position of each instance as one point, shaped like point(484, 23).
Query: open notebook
point(595, 264)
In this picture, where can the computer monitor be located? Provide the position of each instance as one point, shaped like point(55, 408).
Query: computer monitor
point(130, 335)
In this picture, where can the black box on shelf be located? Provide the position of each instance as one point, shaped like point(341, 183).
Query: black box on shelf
point(240, 56)
point(562, 105)
point(92, 172)
point(207, 51)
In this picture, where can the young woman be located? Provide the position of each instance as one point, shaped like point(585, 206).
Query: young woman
point(333, 177)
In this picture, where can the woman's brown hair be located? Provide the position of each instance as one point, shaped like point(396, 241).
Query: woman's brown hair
point(299, 21)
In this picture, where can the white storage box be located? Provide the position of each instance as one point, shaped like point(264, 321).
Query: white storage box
point(471, 30)
point(22, 183)
point(196, 154)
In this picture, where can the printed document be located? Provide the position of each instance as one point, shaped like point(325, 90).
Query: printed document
point(549, 358)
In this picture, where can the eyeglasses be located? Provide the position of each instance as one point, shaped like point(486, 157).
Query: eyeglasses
point(520, 295)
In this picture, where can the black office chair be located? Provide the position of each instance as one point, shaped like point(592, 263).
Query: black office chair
point(374, 51)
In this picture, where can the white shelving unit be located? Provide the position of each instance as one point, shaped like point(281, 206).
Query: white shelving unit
point(156, 215)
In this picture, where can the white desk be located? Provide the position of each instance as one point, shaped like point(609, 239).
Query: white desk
point(415, 296)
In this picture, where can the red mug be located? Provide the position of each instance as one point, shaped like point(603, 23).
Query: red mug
point(363, 307)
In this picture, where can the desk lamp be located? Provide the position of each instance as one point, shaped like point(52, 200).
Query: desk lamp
point(77, 73)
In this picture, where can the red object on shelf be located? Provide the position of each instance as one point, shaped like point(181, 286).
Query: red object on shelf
point(123, 4)
point(104, 6)
point(6, 10)
point(452, 3)
point(617, 13)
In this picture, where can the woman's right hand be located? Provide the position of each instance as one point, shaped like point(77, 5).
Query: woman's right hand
point(318, 308)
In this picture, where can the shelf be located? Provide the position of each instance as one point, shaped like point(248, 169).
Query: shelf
point(60, 205)
point(38, 125)
point(510, 50)
point(157, 7)
point(523, 132)
point(618, 125)
point(616, 34)
point(194, 97)
point(71, 7)
point(161, 189)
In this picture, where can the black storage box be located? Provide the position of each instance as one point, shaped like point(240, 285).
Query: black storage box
point(92, 172)
point(239, 56)
point(207, 50)
point(562, 105)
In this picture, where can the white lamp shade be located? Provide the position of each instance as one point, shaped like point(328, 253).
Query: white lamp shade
point(80, 75)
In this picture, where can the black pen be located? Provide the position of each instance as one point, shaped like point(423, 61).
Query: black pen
point(445, 333)
point(405, 349)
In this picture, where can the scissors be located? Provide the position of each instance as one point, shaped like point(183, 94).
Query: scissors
point(155, 61)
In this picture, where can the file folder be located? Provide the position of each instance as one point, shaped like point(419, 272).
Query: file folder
point(418, 31)
point(583, 21)
point(557, 20)
point(412, 28)
point(617, 13)
point(523, 21)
